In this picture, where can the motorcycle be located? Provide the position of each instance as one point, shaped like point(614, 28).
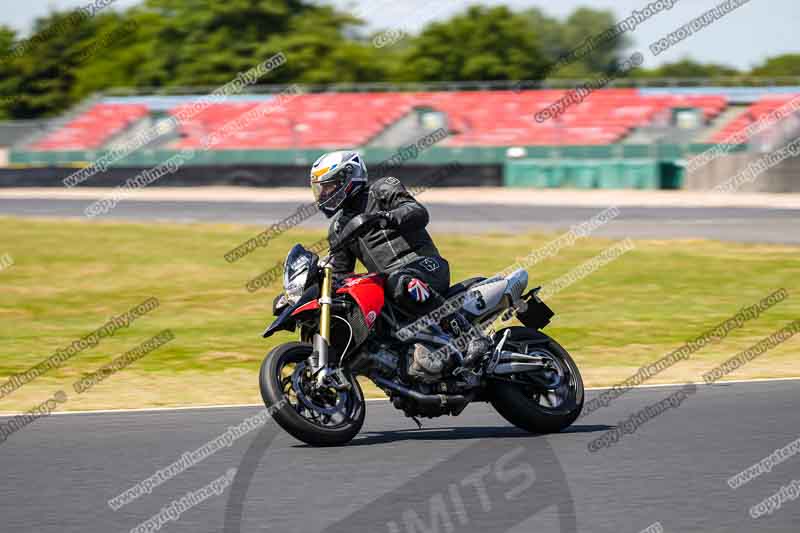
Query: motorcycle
point(353, 330)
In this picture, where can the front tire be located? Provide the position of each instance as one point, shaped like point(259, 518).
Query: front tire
point(317, 417)
point(530, 407)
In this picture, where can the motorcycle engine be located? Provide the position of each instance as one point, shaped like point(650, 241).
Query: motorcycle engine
point(385, 361)
point(421, 363)
point(428, 365)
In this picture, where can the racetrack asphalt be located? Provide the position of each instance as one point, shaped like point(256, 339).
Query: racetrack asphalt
point(739, 224)
point(473, 473)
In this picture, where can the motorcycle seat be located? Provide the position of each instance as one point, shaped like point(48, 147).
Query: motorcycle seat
point(461, 286)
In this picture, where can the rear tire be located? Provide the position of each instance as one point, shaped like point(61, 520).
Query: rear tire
point(514, 402)
point(272, 381)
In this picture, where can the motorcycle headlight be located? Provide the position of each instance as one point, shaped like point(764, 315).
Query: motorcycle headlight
point(295, 274)
point(294, 289)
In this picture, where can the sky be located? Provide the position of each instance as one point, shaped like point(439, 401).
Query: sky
point(744, 38)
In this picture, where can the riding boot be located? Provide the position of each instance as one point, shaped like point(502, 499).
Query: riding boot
point(477, 344)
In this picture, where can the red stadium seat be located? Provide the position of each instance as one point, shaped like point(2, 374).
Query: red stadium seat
point(93, 128)
point(331, 120)
point(752, 114)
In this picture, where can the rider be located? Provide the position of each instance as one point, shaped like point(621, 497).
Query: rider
point(398, 245)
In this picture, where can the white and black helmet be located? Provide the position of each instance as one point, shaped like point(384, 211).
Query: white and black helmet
point(335, 177)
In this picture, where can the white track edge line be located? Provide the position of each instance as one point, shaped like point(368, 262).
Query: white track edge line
point(236, 405)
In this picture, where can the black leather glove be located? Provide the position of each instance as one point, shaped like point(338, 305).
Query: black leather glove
point(383, 219)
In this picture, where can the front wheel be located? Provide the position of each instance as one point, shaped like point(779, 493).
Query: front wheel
point(316, 416)
point(542, 401)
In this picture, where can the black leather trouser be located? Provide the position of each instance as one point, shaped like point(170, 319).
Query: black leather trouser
point(434, 271)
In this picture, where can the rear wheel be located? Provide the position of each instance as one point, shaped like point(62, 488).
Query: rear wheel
point(541, 401)
point(316, 416)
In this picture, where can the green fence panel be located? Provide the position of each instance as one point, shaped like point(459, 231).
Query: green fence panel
point(434, 155)
point(579, 175)
point(641, 174)
point(582, 174)
point(526, 173)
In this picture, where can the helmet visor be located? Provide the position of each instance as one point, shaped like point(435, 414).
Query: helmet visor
point(326, 192)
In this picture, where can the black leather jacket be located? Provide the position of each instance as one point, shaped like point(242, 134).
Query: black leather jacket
point(383, 250)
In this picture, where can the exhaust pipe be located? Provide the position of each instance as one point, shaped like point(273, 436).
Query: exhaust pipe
point(441, 400)
point(514, 368)
point(508, 357)
point(513, 362)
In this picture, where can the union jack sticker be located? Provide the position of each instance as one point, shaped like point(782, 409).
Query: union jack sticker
point(418, 290)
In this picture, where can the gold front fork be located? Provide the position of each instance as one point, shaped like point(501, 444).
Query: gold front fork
point(325, 301)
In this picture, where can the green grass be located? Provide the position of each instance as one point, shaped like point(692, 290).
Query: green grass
point(69, 277)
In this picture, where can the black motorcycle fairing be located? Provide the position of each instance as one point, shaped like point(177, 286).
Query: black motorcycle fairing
point(538, 314)
point(534, 337)
point(285, 321)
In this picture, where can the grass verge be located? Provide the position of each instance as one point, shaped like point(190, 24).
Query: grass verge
point(70, 277)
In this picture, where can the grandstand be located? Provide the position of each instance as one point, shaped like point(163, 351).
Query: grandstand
point(615, 137)
point(752, 114)
point(332, 120)
point(89, 130)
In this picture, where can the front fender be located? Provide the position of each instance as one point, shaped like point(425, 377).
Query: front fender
point(285, 320)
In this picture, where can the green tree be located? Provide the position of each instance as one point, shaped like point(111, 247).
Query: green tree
point(9, 78)
point(206, 42)
point(549, 32)
point(193, 43)
point(585, 22)
point(480, 44)
point(44, 64)
point(318, 50)
point(117, 55)
point(784, 65)
point(687, 68)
